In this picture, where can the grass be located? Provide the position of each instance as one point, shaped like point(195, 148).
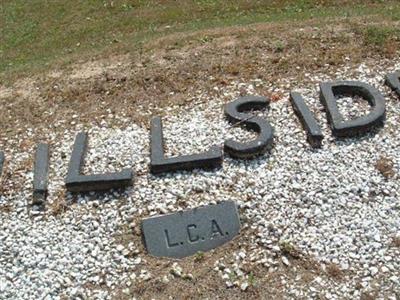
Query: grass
point(378, 35)
point(38, 34)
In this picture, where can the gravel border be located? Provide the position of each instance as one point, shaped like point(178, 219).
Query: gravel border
point(332, 203)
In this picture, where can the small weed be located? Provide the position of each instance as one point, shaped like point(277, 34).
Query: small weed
point(7, 208)
point(199, 256)
point(232, 276)
point(334, 271)
point(59, 205)
point(289, 249)
point(127, 7)
point(206, 39)
point(385, 166)
point(396, 242)
point(279, 47)
point(367, 296)
point(251, 279)
point(58, 208)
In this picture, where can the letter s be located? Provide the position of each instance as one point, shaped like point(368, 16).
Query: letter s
point(234, 111)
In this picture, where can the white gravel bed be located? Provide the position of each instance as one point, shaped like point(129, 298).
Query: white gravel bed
point(331, 203)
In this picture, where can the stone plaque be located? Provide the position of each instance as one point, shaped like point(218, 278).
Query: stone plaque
point(188, 232)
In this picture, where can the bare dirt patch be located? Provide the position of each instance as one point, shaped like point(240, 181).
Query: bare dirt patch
point(167, 71)
point(199, 277)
